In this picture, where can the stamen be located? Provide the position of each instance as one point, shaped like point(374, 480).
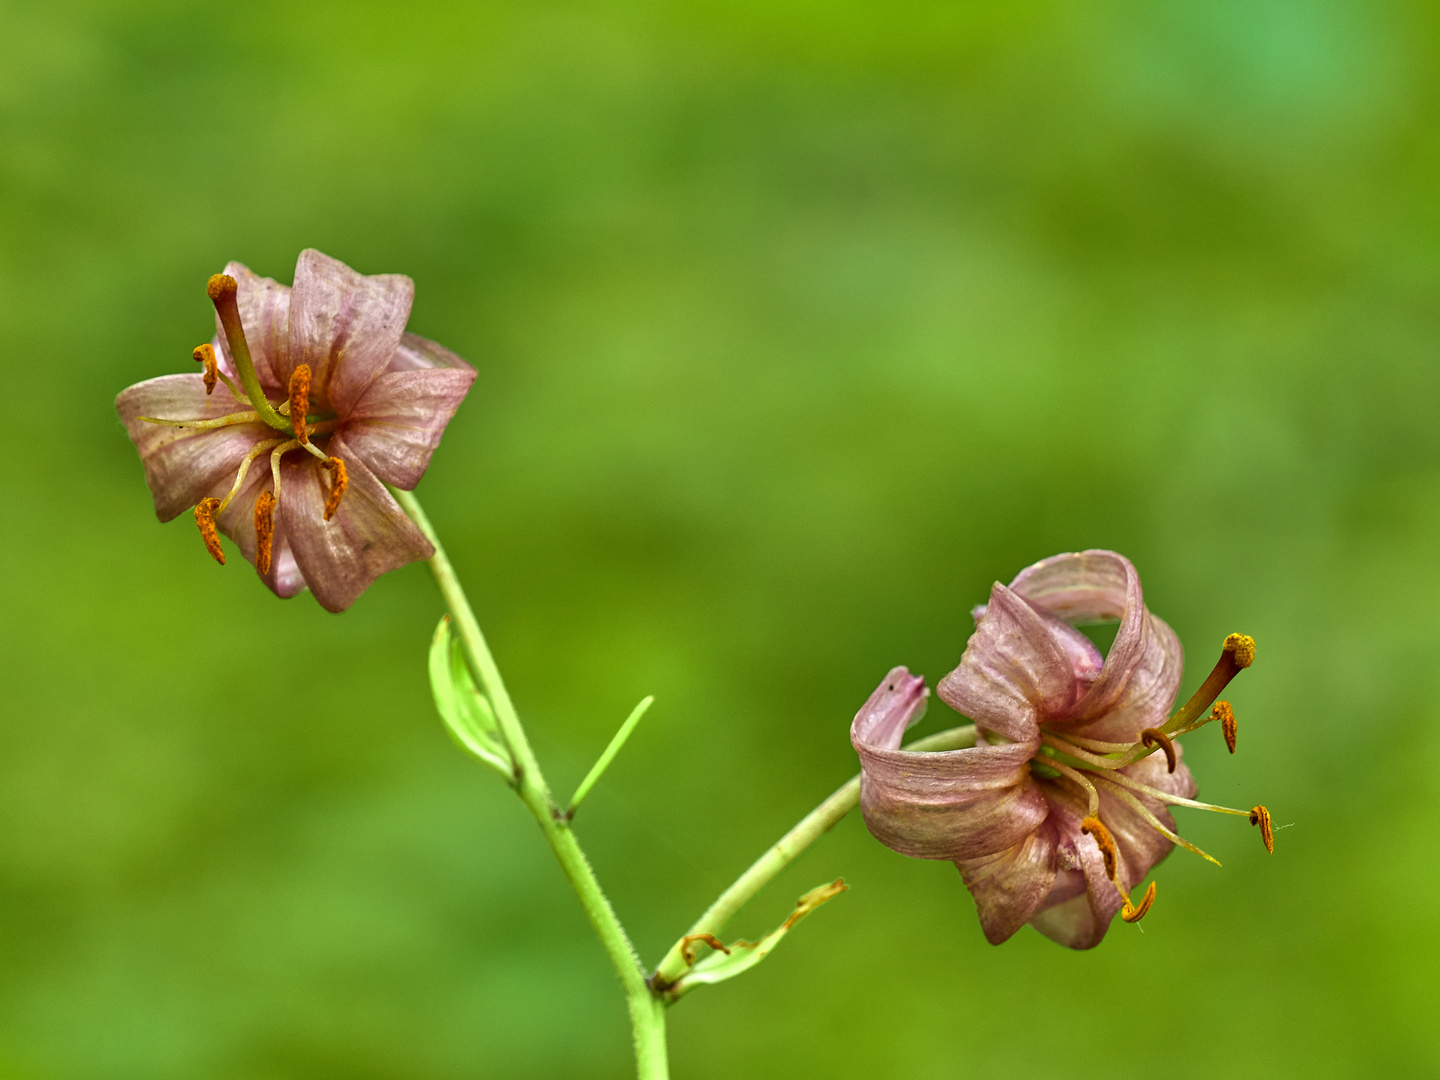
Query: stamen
point(1085, 785)
point(205, 354)
point(1093, 826)
point(1097, 745)
point(264, 530)
point(300, 401)
point(1092, 761)
point(1238, 654)
point(1150, 736)
point(205, 518)
point(221, 289)
point(1260, 816)
point(1154, 822)
point(275, 456)
point(339, 480)
point(255, 451)
point(1170, 800)
point(1226, 715)
point(1130, 913)
point(220, 421)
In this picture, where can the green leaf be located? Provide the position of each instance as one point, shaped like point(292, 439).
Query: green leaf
point(727, 962)
point(466, 712)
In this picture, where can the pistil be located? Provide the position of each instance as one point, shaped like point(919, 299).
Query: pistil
point(221, 289)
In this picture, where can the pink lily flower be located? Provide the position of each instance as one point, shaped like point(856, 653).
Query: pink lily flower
point(341, 398)
point(1062, 807)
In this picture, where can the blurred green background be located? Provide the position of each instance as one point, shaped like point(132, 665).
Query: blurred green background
point(797, 325)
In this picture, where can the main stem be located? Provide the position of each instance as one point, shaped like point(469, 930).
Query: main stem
point(647, 1011)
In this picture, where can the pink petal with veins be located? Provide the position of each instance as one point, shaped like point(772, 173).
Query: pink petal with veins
point(182, 465)
point(345, 325)
point(397, 425)
point(368, 536)
point(1014, 673)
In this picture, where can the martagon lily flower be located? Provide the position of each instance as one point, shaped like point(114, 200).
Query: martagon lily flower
point(1062, 807)
point(338, 396)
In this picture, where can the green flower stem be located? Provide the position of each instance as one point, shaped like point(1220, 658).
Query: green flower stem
point(814, 825)
point(647, 1012)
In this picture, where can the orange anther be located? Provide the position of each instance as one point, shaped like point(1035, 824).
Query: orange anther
point(1226, 715)
point(1131, 913)
point(1150, 736)
point(1260, 816)
point(338, 482)
point(1242, 649)
point(205, 518)
point(205, 354)
point(300, 402)
point(1094, 827)
point(264, 530)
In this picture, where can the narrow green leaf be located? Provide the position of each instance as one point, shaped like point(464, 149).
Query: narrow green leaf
point(467, 714)
point(608, 756)
point(727, 962)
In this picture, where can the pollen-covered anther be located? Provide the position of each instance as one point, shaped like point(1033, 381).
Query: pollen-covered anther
point(300, 401)
point(338, 481)
point(264, 531)
point(1151, 736)
point(1260, 816)
point(1242, 648)
point(205, 518)
point(1226, 715)
point(205, 354)
point(1132, 913)
point(1094, 827)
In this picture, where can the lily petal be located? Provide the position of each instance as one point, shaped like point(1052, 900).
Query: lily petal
point(1088, 586)
point(1010, 885)
point(183, 465)
point(1014, 672)
point(397, 424)
point(368, 535)
point(1149, 696)
point(345, 325)
point(951, 804)
point(415, 353)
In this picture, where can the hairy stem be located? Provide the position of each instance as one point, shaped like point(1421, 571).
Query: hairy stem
point(647, 1012)
point(810, 828)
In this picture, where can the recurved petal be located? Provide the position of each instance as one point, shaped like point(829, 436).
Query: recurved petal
point(397, 424)
point(237, 522)
point(182, 465)
point(1077, 921)
point(368, 535)
point(1149, 694)
point(1008, 886)
point(1086, 586)
point(415, 353)
point(345, 325)
point(1014, 672)
point(897, 703)
point(265, 314)
point(952, 804)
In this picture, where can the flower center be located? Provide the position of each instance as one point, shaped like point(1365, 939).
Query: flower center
point(290, 418)
point(1094, 766)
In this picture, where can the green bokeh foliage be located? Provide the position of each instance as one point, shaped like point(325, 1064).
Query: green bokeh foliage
point(797, 325)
